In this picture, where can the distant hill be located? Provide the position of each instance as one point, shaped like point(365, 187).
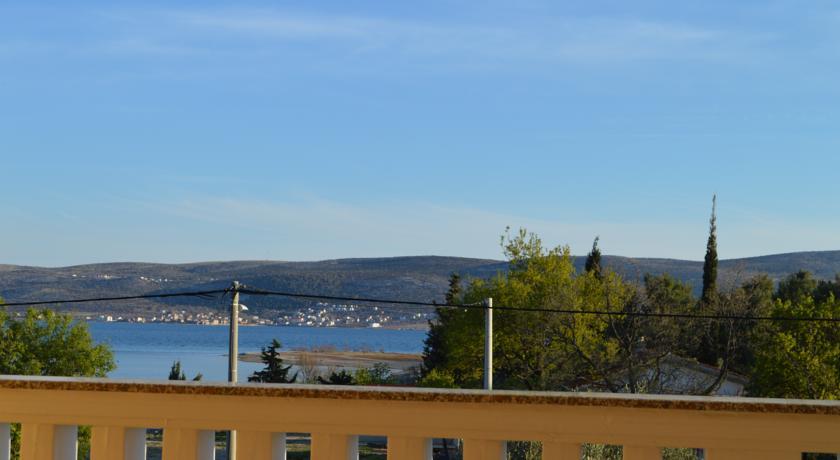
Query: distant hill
point(411, 278)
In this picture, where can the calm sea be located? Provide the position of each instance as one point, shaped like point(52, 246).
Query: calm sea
point(146, 351)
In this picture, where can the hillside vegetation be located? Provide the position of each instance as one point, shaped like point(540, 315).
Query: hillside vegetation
point(409, 278)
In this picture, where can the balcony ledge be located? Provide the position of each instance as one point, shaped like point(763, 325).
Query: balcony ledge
point(299, 391)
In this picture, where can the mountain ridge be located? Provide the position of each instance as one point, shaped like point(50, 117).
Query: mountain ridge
point(417, 278)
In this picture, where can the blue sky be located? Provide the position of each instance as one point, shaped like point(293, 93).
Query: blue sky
point(174, 132)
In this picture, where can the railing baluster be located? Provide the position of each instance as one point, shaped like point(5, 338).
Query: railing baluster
point(641, 453)
point(735, 454)
point(188, 444)
point(254, 445)
point(553, 450)
point(135, 444)
point(65, 442)
point(482, 449)
point(334, 447)
point(406, 448)
point(116, 442)
point(278, 446)
point(5, 441)
point(206, 448)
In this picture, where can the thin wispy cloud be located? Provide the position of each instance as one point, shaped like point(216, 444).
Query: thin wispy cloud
point(181, 32)
point(563, 38)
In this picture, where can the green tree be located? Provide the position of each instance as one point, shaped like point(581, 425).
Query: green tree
point(433, 348)
point(338, 378)
point(534, 350)
point(710, 263)
point(593, 259)
point(48, 344)
point(436, 379)
point(798, 287)
point(454, 291)
point(378, 374)
point(799, 359)
point(175, 372)
point(646, 346)
point(274, 371)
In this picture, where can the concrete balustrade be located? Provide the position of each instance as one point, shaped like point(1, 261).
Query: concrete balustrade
point(50, 409)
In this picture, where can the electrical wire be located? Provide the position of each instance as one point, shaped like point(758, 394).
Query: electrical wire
point(479, 305)
point(200, 294)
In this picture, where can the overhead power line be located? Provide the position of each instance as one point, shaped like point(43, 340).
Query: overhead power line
point(479, 306)
point(201, 294)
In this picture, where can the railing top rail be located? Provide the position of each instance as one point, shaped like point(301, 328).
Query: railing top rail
point(590, 399)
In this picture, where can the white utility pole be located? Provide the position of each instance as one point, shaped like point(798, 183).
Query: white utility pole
point(488, 344)
point(233, 355)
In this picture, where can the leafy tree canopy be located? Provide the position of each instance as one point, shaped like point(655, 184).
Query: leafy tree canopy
point(798, 359)
point(533, 350)
point(46, 343)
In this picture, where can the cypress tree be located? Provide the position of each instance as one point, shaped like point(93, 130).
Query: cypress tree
point(593, 259)
point(710, 264)
point(175, 373)
point(454, 292)
point(275, 371)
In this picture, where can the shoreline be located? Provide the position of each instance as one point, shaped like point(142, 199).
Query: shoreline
point(397, 362)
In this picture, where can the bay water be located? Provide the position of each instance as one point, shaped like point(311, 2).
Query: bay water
point(147, 351)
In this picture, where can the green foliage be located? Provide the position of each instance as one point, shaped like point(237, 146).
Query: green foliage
point(378, 374)
point(274, 371)
point(437, 379)
point(798, 359)
point(175, 372)
point(338, 378)
point(601, 452)
point(593, 259)
point(534, 350)
point(710, 263)
point(46, 343)
point(454, 290)
point(798, 287)
point(524, 450)
point(730, 344)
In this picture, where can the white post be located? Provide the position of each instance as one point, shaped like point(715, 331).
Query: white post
point(65, 442)
point(488, 344)
point(206, 445)
point(5, 441)
point(233, 355)
point(233, 352)
point(135, 444)
point(278, 446)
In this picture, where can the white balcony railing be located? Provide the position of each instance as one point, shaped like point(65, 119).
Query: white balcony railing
point(50, 409)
